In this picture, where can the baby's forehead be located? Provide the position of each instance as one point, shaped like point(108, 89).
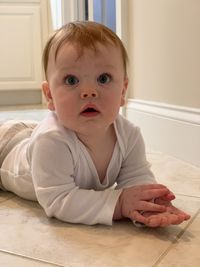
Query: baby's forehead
point(92, 48)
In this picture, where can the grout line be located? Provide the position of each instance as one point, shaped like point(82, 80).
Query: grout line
point(30, 258)
point(179, 235)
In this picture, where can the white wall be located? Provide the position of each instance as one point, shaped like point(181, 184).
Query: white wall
point(164, 48)
point(164, 74)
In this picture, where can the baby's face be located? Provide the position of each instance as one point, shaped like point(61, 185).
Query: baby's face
point(86, 91)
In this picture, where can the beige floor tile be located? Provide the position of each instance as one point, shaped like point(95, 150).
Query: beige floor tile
point(187, 203)
point(179, 176)
point(10, 260)
point(26, 230)
point(185, 251)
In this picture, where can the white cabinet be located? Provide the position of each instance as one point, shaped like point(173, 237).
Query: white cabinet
point(23, 31)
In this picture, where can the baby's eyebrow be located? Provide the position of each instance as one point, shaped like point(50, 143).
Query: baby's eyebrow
point(67, 68)
point(109, 66)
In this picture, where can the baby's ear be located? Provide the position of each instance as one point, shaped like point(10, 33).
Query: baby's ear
point(47, 93)
point(123, 97)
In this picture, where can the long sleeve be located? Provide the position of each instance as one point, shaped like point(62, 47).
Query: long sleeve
point(135, 168)
point(53, 168)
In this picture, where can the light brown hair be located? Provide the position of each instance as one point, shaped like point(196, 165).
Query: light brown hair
point(83, 34)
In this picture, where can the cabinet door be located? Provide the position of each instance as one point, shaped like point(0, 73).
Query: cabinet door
point(20, 45)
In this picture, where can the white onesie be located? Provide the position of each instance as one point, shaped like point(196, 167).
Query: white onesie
point(53, 167)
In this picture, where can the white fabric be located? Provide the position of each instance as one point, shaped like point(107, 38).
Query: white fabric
point(54, 168)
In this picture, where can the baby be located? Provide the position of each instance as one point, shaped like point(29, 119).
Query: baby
point(85, 163)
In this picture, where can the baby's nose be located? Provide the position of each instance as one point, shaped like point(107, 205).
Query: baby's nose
point(87, 93)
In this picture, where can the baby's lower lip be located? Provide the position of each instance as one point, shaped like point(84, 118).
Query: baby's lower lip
point(90, 114)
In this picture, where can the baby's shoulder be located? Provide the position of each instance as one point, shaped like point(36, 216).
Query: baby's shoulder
point(50, 128)
point(126, 127)
point(127, 134)
point(50, 135)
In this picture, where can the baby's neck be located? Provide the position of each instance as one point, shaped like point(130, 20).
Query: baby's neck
point(100, 146)
point(96, 139)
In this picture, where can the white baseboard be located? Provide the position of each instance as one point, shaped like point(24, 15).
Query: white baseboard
point(20, 97)
point(168, 129)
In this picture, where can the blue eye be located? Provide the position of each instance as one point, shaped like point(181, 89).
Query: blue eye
point(71, 80)
point(104, 78)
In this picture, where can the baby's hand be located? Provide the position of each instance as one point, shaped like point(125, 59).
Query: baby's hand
point(135, 199)
point(172, 215)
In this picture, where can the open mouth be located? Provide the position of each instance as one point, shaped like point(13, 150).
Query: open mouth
point(90, 112)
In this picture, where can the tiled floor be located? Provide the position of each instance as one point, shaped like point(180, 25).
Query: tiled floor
point(28, 238)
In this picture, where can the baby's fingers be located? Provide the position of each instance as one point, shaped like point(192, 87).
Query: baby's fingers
point(163, 220)
point(150, 206)
point(178, 212)
point(154, 193)
point(181, 217)
point(137, 216)
point(156, 222)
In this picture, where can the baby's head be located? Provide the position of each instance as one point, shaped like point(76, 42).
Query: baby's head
point(86, 34)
